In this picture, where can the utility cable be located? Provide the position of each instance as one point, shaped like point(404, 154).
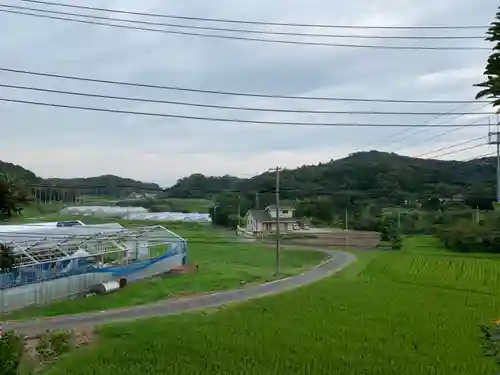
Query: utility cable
point(248, 31)
point(255, 22)
point(449, 147)
point(250, 39)
point(459, 127)
point(476, 158)
point(387, 140)
point(461, 150)
point(215, 119)
point(234, 93)
point(255, 109)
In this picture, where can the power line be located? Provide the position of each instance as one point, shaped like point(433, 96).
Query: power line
point(250, 39)
point(388, 142)
point(255, 109)
point(234, 93)
point(462, 149)
point(248, 31)
point(221, 20)
point(437, 136)
point(458, 127)
point(449, 147)
point(476, 158)
point(215, 119)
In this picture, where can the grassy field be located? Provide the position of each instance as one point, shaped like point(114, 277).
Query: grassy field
point(391, 313)
point(189, 205)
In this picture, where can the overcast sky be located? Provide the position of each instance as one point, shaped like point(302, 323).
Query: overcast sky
point(67, 143)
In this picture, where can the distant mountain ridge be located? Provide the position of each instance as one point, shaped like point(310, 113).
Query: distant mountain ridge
point(370, 174)
point(106, 185)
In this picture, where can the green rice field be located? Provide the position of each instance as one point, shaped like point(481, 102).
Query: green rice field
point(391, 313)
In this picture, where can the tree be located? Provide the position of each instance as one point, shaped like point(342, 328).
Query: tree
point(13, 197)
point(491, 86)
point(225, 213)
point(7, 258)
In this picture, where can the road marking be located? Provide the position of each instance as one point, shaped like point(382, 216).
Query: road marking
point(276, 281)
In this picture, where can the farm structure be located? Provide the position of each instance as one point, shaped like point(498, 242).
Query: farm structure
point(61, 260)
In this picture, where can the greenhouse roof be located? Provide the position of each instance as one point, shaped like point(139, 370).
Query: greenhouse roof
point(34, 245)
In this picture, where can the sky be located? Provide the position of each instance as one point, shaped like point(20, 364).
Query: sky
point(56, 142)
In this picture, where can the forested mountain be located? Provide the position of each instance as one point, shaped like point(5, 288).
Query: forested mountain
point(107, 185)
point(200, 186)
point(18, 172)
point(366, 175)
point(372, 175)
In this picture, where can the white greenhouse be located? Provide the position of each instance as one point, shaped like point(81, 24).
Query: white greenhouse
point(103, 211)
point(171, 216)
point(135, 213)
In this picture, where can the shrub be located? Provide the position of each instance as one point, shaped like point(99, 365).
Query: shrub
point(491, 344)
point(11, 353)
point(54, 344)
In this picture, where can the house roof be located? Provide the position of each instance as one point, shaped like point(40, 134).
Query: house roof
point(261, 215)
point(264, 216)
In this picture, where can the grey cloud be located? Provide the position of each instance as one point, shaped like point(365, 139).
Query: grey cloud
point(232, 66)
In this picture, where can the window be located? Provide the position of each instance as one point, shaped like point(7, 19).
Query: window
point(284, 212)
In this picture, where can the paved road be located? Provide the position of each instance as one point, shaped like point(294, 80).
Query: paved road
point(337, 262)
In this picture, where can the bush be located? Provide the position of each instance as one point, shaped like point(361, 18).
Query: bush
point(54, 344)
point(491, 343)
point(11, 353)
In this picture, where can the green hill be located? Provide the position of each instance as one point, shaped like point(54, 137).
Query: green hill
point(106, 185)
point(371, 174)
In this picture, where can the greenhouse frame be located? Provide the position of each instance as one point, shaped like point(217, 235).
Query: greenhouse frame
point(65, 259)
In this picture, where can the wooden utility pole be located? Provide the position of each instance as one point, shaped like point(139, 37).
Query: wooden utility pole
point(257, 201)
point(278, 234)
point(238, 213)
point(346, 229)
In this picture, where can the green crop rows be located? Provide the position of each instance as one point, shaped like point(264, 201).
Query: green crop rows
point(445, 271)
point(364, 321)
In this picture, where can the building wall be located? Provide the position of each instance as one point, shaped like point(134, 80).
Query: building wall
point(253, 225)
point(39, 293)
point(286, 214)
point(47, 291)
point(284, 227)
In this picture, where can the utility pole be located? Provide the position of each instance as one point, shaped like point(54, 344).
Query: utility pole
point(494, 139)
point(257, 201)
point(278, 234)
point(346, 229)
point(399, 220)
point(214, 218)
point(238, 213)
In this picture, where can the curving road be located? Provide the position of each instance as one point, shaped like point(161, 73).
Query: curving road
point(338, 261)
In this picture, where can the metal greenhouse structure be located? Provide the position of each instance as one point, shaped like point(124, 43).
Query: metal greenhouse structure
point(59, 260)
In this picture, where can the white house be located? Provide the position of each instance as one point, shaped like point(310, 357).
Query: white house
point(265, 220)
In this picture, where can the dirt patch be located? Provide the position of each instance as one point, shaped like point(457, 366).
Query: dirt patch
point(32, 360)
point(339, 239)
